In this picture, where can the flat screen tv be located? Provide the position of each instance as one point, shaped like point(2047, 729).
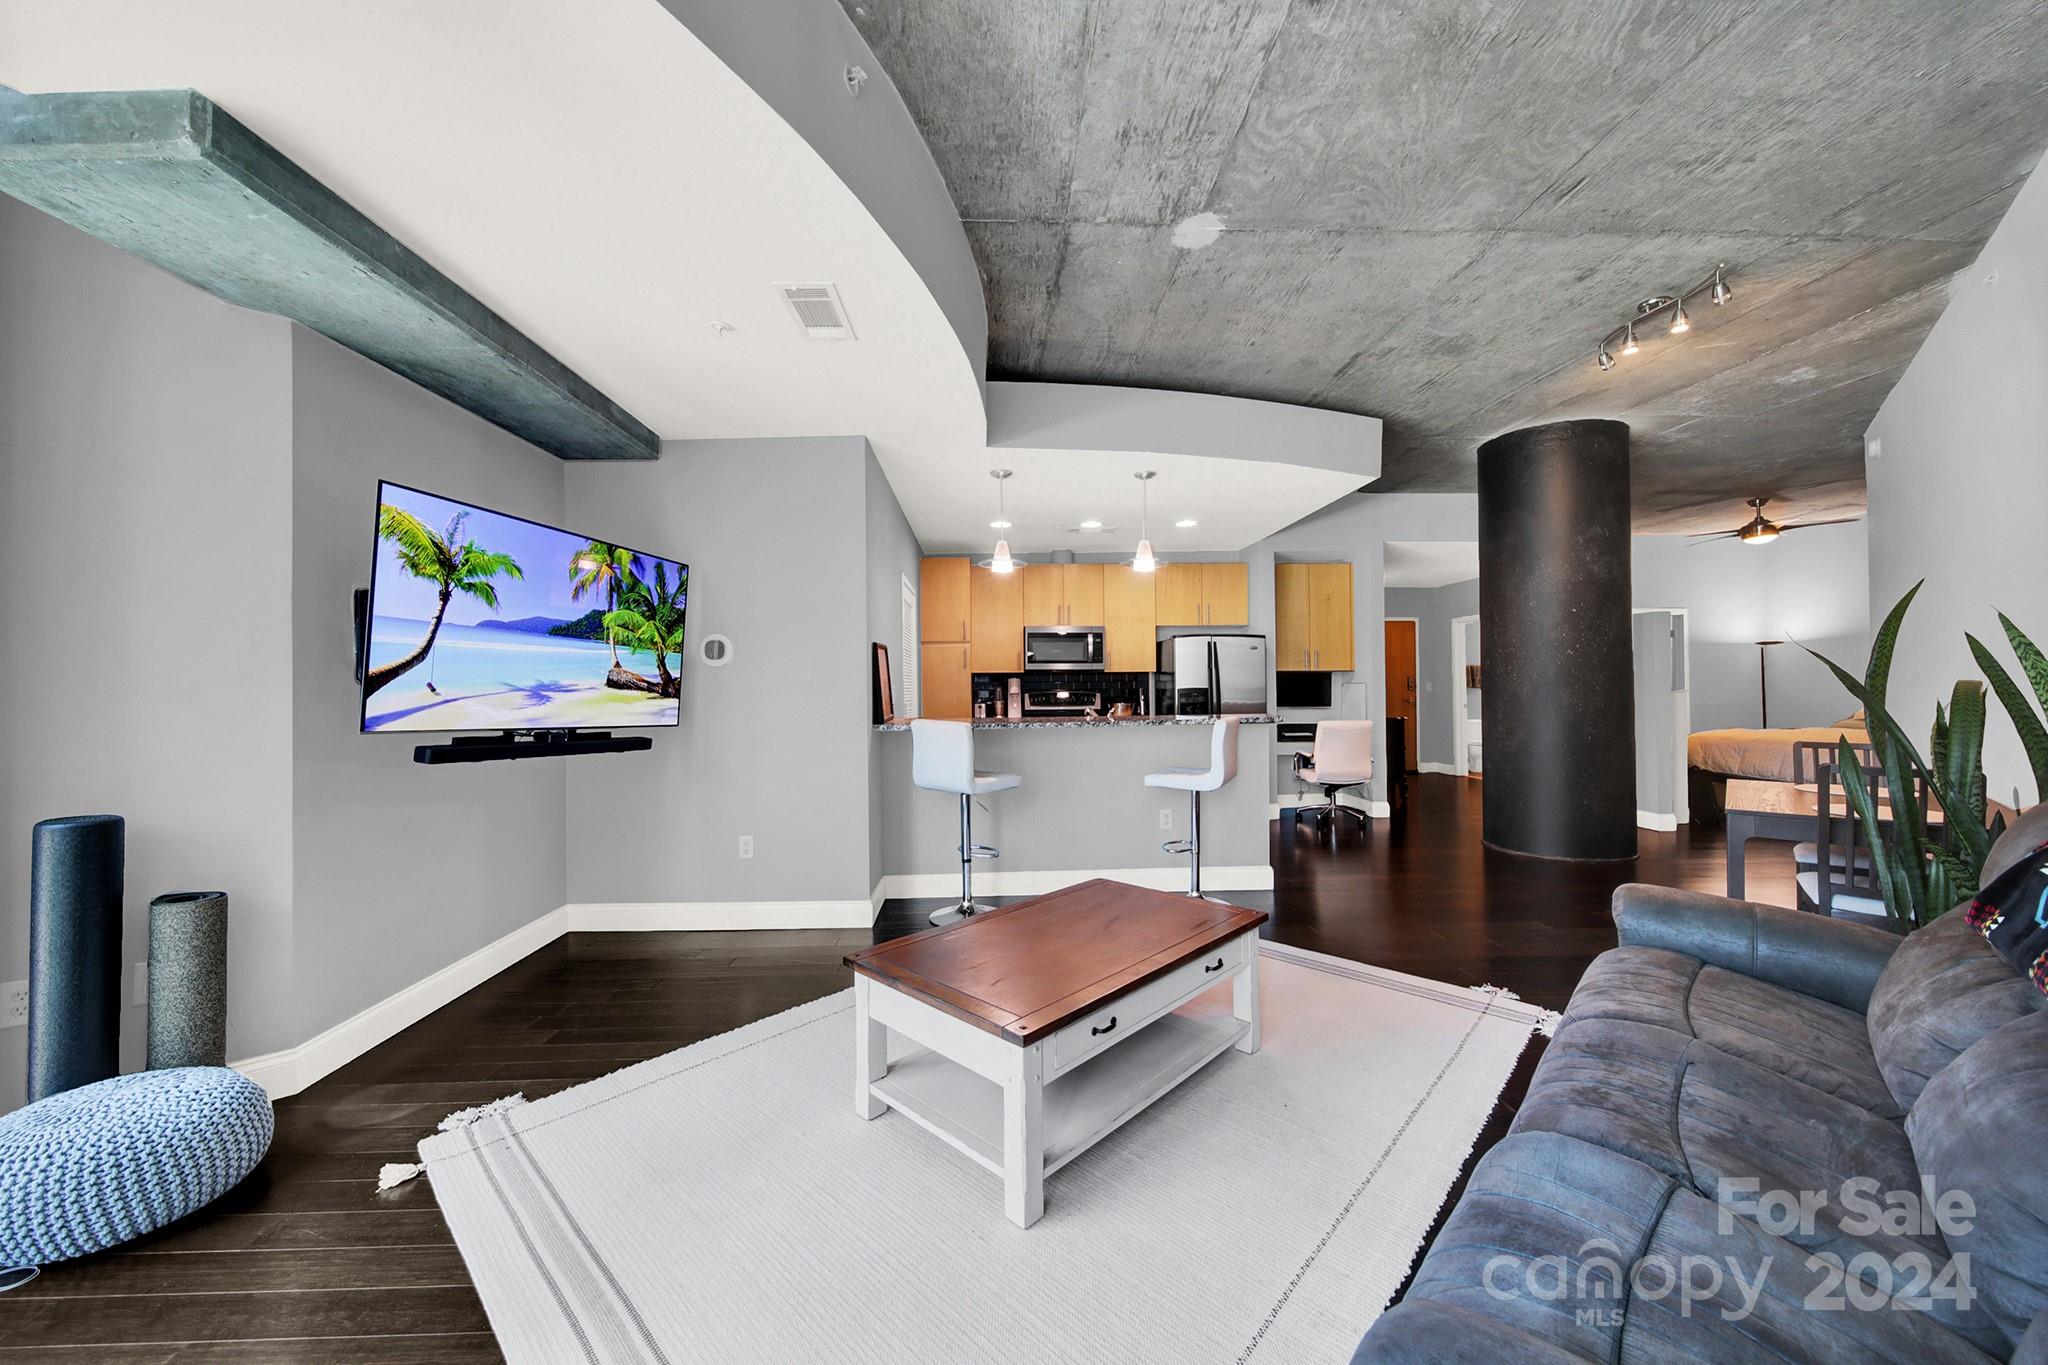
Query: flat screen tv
point(483, 621)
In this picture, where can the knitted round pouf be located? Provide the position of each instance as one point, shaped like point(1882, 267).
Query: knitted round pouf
point(90, 1168)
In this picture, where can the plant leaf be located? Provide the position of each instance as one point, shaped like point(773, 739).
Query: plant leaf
point(1898, 904)
point(2033, 735)
point(2032, 662)
point(1962, 763)
point(1877, 673)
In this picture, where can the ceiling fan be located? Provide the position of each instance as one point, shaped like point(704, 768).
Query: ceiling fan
point(1761, 530)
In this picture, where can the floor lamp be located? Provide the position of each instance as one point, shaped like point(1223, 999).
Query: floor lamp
point(1763, 678)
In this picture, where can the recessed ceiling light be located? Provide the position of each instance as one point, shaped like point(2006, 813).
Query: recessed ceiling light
point(999, 525)
point(1091, 525)
point(1185, 522)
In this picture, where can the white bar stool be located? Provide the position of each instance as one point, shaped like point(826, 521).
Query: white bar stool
point(942, 760)
point(1194, 781)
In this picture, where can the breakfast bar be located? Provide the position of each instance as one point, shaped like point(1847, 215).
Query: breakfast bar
point(1082, 809)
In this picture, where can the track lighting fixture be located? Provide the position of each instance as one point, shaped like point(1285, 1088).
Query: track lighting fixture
point(1714, 286)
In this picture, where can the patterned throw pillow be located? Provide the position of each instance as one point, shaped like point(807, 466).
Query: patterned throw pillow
point(2012, 914)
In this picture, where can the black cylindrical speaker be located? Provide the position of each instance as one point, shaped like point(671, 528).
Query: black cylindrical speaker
point(1555, 628)
point(74, 953)
point(188, 979)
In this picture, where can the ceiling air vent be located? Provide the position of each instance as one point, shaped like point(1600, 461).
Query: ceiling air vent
point(817, 310)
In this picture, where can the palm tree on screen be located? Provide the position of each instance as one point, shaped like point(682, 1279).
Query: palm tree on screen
point(602, 568)
point(451, 564)
point(650, 617)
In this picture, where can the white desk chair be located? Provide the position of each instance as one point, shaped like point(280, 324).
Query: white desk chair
point(942, 760)
point(1341, 757)
point(1194, 781)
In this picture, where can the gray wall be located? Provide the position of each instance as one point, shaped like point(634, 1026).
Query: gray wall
point(1436, 691)
point(892, 556)
point(1959, 482)
point(1805, 587)
point(145, 539)
point(776, 743)
point(399, 869)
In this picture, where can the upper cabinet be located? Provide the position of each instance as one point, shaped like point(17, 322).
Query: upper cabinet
point(1312, 618)
point(1130, 620)
point(1203, 595)
point(1063, 594)
point(942, 601)
point(995, 621)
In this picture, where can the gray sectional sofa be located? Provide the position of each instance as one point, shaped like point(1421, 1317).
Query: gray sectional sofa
point(1762, 1135)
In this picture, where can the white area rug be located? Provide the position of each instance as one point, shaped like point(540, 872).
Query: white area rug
point(723, 1203)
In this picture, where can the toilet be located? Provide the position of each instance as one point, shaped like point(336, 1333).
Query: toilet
point(1472, 738)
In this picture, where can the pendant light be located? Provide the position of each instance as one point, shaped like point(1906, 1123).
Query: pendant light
point(1628, 345)
point(1000, 562)
point(1680, 323)
point(1143, 561)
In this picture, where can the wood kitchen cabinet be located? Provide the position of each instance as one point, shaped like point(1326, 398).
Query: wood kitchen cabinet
point(942, 601)
point(1312, 618)
point(1203, 594)
point(945, 682)
point(995, 621)
point(1063, 594)
point(1130, 620)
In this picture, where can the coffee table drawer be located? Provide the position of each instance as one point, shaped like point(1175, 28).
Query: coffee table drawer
point(1128, 1013)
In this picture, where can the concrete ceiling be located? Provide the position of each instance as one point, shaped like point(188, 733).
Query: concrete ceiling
point(1431, 213)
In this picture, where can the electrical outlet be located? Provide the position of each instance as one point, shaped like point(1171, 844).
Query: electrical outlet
point(1166, 818)
point(141, 983)
point(746, 845)
point(13, 1004)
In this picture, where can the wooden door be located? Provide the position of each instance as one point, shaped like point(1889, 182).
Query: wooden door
point(1045, 594)
point(995, 621)
point(942, 601)
point(1226, 595)
point(1292, 632)
point(1130, 620)
point(1084, 595)
point(945, 682)
point(1177, 594)
point(1401, 681)
point(1329, 615)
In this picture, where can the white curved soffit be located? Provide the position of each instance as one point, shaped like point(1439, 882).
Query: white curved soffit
point(598, 176)
point(603, 177)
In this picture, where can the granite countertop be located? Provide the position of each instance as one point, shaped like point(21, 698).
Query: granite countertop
point(1082, 722)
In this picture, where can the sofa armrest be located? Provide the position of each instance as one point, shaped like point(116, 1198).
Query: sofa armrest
point(1427, 1332)
point(1823, 958)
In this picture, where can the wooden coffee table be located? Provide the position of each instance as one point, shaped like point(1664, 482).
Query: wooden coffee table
point(1048, 1024)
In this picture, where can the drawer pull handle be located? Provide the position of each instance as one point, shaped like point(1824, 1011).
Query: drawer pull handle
point(1105, 1028)
point(1215, 966)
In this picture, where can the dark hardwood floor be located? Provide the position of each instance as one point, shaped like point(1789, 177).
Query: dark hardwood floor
point(305, 1261)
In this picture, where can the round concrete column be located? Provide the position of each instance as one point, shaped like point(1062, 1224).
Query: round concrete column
point(1554, 629)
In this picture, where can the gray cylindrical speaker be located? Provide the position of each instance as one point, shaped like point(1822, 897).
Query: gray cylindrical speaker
point(74, 952)
point(188, 979)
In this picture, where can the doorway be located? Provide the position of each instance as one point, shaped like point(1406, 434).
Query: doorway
point(1463, 691)
point(1401, 687)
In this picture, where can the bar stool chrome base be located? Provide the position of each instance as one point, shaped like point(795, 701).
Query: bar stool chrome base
point(1192, 848)
point(969, 851)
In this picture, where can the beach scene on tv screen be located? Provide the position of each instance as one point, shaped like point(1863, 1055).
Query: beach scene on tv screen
point(486, 622)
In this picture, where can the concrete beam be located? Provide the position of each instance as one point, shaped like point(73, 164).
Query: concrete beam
point(169, 176)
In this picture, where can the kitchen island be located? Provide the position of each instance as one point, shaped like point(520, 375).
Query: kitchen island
point(1083, 809)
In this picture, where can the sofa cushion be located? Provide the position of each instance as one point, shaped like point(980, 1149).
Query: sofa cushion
point(1818, 1044)
point(1977, 1130)
point(1942, 991)
point(1737, 1134)
point(1580, 1251)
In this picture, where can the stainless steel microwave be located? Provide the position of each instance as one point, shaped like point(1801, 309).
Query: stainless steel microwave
point(1063, 649)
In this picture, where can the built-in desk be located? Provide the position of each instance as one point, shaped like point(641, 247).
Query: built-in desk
point(1083, 810)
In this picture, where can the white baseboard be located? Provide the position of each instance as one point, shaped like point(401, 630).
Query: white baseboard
point(1649, 819)
point(1447, 769)
point(632, 916)
point(292, 1070)
point(1019, 882)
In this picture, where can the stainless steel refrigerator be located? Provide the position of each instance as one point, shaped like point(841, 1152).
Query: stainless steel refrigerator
point(1212, 675)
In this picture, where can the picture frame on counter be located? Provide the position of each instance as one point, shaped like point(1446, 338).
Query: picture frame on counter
point(883, 692)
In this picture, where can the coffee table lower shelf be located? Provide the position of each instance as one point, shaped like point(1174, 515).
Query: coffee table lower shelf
point(1082, 1106)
